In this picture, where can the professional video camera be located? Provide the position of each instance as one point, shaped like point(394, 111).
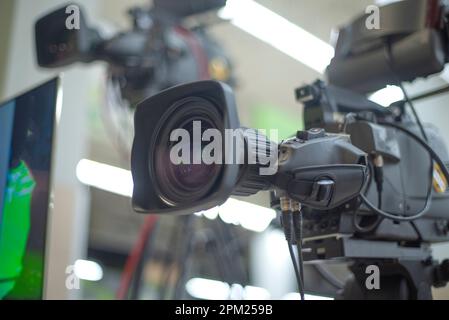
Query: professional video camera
point(158, 53)
point(167, 45)
point(412, 42)
point(360, 189)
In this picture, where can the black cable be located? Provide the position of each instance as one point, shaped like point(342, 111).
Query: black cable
point(418, 232)
point(288, 224)
point(415, 113)
point(379, 178)
point(376, 223)
point(366, 229)
point(389, 58)
point(421, 128)
point(295, 267)
point(298, 221)
point(379, 200)
point(423, 143)
point(390, 62)
point(395, 217)
point(434, 156)
point(301, 267)
point(301, 270)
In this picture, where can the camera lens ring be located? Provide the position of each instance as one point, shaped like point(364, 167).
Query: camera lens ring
point(183, 184)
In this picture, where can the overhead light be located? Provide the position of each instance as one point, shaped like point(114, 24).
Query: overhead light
point(105, 177)
point(278, 32)
point(385, 2)
point(88, 270)
point(387, 95)
point(207, 289)
point(119, 181)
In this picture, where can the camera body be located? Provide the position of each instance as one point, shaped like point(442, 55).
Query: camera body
point(405, 169)
point(57, 45)
point(318, 169)
point(410, 42)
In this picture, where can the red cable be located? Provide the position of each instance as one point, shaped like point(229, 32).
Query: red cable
point(198, 52)
point(135, 256)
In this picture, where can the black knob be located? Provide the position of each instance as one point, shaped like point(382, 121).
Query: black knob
point(310, 134)
point(322, 190)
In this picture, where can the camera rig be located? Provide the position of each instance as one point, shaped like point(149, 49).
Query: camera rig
point(353, 190)
point(411, 42)
point(368, 188)
point(398, 182)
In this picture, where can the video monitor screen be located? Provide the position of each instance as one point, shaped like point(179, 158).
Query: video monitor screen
point(26, 142)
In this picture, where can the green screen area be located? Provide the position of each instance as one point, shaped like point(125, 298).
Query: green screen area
point(266, 117)
point(15, 226)
point(25, 162)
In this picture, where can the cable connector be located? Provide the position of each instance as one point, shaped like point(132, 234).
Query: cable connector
point(297, 221)
point(297, 225)
point(288, 223)
point(378, 162)
point(287, 220)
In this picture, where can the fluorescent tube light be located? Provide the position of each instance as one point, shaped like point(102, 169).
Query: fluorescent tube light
point(278, 32)
point(105, 177)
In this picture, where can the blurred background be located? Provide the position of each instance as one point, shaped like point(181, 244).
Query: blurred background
point(97, 228)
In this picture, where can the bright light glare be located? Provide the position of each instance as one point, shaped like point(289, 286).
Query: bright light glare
point(210, 214)
point(88, 270)
point(385, 2)
point(207, 289)
point(296, 296)
point(119, 181)
point(105, 177)
point(278, 32)
point(256, 293)
point(387, 95)
point(249, 216)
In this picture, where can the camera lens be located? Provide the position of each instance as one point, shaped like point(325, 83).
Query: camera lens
point(188, 181)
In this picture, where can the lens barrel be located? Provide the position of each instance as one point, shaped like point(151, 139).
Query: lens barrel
point(257, 147)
